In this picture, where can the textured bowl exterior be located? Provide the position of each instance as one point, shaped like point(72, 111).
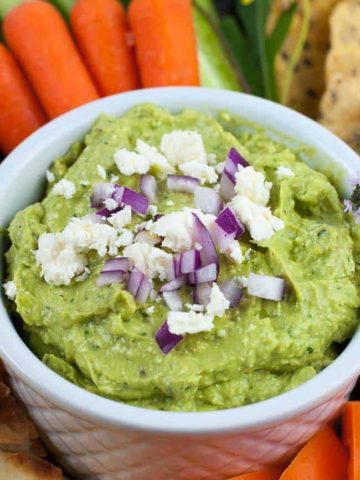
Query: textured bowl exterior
point(99, 439)
point(92, 451)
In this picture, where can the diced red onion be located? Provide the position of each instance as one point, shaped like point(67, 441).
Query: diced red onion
point(227, 186)
point(264, 286)
point(148, 186)
point(118, 194)
point(173, 270)
point(157, 216)
point(174, 284)
point(173, 300)
point(116, 264)
point(201, 293)
point(182, 183)
point(226, 229)
point(189, 261)
point(165, 339)
point(232, 291)
point(138, 202)
point(105, 213)
point(233, 161)
point(205, 274)
point(111, 277)
point(139, 286)
point(208, 253)
point(101, 192)
point(207, 200)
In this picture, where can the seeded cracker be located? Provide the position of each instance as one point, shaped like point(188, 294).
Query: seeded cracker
point(340, 106)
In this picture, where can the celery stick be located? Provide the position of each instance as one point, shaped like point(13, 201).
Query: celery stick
point(216, 70)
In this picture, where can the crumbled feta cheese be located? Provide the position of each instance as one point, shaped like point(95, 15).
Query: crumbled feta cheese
point(130, 163)
point(218, 302)
point(150, 310)
point(10, 289)
point(211, 159)
point(154, 296)
point(125, 238)
point(242, 281)
point(50, 177)
point(203, 172)
point(234, 252)
point(247, 254)
point(170, 203)
point(206, 218)
point(151, 261)
point(144, 226)
point(155, 158)
point(177, 229)
point(101, 171)
point(146, 237)
point(181, 323)
point(258, 219)
point(111, 204)
point(122, 218)
point(252, 184)
point(182, 146)
point(114, 178)
point(282, 172)
point(58, 259)
point(194, 307)
point(84, 183)
point(152, 210)
point(64, 188)
point(83, 276)
point(219, 167)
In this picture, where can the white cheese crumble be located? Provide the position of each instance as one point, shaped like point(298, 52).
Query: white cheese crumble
point(111, 204)
point(194, 307)
point(122, 218)
point(125, 238)
point(50, 177)
point(101, 171)
point(130, 163)
point(58, 259)
point(150, 310)
point(64, 188)
point(176, 229)
point(10, 289)
point(182, 146)
point(282, 172)
point(191, 322)
point(218, 302)
point(252, 184)
point(203, 172)
point(219, 167)
point(170, 203)
point(155, 158)
point(258, 219)
point(144, 226)
point(152, 210)
point(211, 158)
point(84, 183)
point(151, 261)
point(114, 178)
point(234, 252)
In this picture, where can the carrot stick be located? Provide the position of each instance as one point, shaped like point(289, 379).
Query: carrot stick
point(322, 458)
point(38, 36)
point(351, 438)
point(20, 112)
point(100, 29)
point(269, 474)
point(165, 42)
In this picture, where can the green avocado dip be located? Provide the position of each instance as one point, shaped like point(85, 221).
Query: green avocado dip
point(102, 338)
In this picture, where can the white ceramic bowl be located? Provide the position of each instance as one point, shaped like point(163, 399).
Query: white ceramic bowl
point(97, 438)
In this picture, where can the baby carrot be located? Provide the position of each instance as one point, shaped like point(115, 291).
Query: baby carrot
point(323, 457)
point(39, 38)
point(351, 438)
point(165, 42)
point(100, 29)
point(20, 112)
point(269, 474)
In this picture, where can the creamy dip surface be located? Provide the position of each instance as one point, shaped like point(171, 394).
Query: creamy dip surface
point(265, 314)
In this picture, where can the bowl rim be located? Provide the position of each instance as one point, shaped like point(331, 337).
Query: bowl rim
point(100, 410)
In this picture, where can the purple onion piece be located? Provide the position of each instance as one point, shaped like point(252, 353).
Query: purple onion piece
point(144, 290)
point(173, 285)
point(182, 183)
point(111, 277)
point(208, 253)
point(207, 200)
point(118, 194)
point(138, 202)
point(101, 192)
point(189, 261)
point(201, 293)
point(165, 339)
point(267, 287)
point(173, 300)
point(227, 190)
point(134, 282)
point(226, 229)
point(149, 188)
point(233, 161)
point(205, 274)
point(105, 213)
point(118, 263)
point(232, 291)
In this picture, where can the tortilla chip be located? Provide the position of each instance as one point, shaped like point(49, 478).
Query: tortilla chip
point(309, 78)
point(20, 466)
point(340, 105)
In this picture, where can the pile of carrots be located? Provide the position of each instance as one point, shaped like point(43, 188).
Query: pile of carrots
point(48, 67)
point(324, 457)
